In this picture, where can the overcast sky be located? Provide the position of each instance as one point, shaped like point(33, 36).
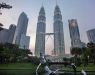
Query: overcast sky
point(82, 10)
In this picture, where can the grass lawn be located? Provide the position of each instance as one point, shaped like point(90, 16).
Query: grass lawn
point(89, 67)
point(17, 69)
point(29, 69)
point(18, 66)
point(31, 66)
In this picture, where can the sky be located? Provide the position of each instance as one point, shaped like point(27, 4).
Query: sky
point(82, 10)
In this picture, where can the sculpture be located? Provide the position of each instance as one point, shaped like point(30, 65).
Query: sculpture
point(46, 68)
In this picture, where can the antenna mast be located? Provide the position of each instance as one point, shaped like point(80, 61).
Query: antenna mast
point(42, 2)
point(56, 2)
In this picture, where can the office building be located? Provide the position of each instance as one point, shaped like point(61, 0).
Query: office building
point(91, 35)
point(74, 33)
point(59, 47)
point(4, 36)
point(24, 42)
point(40, 33)
point(21, 28)
point(12, 29)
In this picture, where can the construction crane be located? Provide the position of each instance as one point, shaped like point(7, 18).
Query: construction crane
point(4, 5)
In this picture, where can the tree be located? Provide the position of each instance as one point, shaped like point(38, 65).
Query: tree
point(11, 53)
point(1, 26)
point(90, 45)
point(34, 60)
point(1, 54)
point(76, 52)
point(91, 48)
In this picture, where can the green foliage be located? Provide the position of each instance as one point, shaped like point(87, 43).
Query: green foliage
point(76, 51)
point(19, 69)
point(10, 53)
point(34, 60)
point(91, 49)
point(86, 54)
point(65, 59)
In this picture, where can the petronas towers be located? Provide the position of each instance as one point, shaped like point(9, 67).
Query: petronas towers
point(41, 29)
point(59, 48)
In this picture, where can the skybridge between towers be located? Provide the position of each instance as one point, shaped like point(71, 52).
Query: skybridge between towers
point(47, 36)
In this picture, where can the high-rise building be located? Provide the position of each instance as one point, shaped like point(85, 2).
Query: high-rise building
point(12, 29)
point(21, 28)
point(24, 41)
point(91, 35)
point(40, 33)
point(59, 47)
point(7, 35)
point(74, 33)
point(4, 36)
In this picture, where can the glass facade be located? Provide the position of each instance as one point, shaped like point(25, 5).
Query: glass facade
point(21, 28)
point(74, 33)
point(40, 33)
point(91, 35)
point(59, 48)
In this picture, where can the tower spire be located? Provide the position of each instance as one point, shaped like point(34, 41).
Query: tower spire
point(56, 2)
point(42, 3)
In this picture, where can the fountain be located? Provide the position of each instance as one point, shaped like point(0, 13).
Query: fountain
point(50, 72)
point(38, 68)
point(46, 68)
point(74, 68)
point(83, 72)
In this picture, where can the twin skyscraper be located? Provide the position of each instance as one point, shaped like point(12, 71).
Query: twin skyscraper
point(59, 48)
